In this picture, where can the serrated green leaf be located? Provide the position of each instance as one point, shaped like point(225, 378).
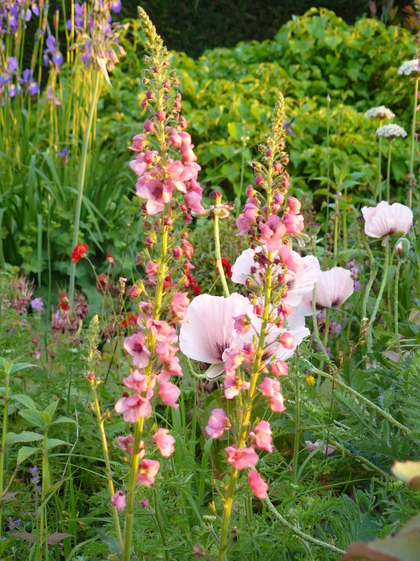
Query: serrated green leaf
point(63, 420)
point(25, 400)
point(25, 452)
point(24, 436)
point(33, 417)
point(53, 442)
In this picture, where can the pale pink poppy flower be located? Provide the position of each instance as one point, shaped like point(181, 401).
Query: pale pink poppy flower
point(262, 436)
point(136, 347)
point(119, 500)
point(210, 328)
point(385, 219)
point(169, 393)
point(218, 423)
point(333, 288)
point(258, 486)
point(179, 305)
point(148, 469)
point(133, 408)
point(311, 446)
point(165, 442)
point(241, 458)
point(299, 281)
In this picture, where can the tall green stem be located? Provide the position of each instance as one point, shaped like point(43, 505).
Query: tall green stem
point(397, 279)
point(3, 449)
point(328, 170)
point(219, 257)
point(107, 463)
point(378, 196)
point(97, 81)
point(388, 173)
point(379, 297)
point(160, 524)
point(413, 134)
point(373, 272)
point(297, 431)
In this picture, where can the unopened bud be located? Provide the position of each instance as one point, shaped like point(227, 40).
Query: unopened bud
point(402, 249)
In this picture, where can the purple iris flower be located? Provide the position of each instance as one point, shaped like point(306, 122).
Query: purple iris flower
point(79, 17)
point(51, 97)
point(53, 51)
point(11, 70)
point(116, 6)
point(28, 81)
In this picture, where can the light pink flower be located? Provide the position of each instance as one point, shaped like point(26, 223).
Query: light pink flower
point(127, 444)
point(136, 381)
point(258, 486)
point(272, 231)
point(179, 305)
point(148, 469)
point(218, 423)
point(169, 393)
point(311, 446)
point(138, 143)
point(385, 220)
point(210, 328)
point(119, 500)
point(242, 324)
point(136, 347)
point(262, 436)
point(271, 388)
point(294, 223)
point(133, 408)
point(233, 385)
point(241, 458)
point(165, 442)
point(232, 359)
point(279, 368)
point(333, 288)
point(287, 340)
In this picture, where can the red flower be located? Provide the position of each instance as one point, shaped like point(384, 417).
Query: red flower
point(78, 252)
point(227, 267)
point(110, 259)
point(131, 319)
point(192, 283)
point(64, 303)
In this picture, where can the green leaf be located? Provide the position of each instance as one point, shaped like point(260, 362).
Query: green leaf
point(24, 436)
point(61, 420)
point(25, 452)
point(53, 442)
point(46, 417)
point(33, 417)
point(25, 400)
point(21, 366)
point(51, 409)
point(112, 543)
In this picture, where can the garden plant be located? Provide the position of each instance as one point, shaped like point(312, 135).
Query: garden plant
point(209, 291)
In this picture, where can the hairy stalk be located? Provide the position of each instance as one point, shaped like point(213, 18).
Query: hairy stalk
point(378, 196)
point(388, 173)
point(379, 297)
point(97, 81)
point(413, 135)
point(396, 281)
point(219, 257)
point(3, 448)
point(373, 273)
point(328, 172)
point(107, 462)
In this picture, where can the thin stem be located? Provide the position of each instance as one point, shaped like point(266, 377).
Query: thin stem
point(379, 297)
point(388, 173)
point(219, 257)
point(328, 170)
point(379, 185)
point(413, 134)
point(373, 273)
point(297, 432)
point(397, 278)
point(107, 462)
point(160, 525)
point(3, 449)
point(97, 81)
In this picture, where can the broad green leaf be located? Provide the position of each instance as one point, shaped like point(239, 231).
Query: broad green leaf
point(25, 400)
point(24, 436)
point(53, 442)
point(46, 417)
point(33, 417)
point(51, 409)
point(21, 366)
point(25, 452)
point(61, 420)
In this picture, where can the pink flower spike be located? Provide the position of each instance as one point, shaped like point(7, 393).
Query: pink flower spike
point(272, 232)
point(136, 381)
point(138, 143)
point(262, 438)
point(133, 408)
point(258, 486)
point(148, 469)
point(165, 442)
point(242, 457)
point(169, 393)
point(135, 346)
point(218, 423)
point(127, 443)
point(119, 500)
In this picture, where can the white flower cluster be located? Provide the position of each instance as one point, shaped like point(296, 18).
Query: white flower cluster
point(409, 67)
point(382, 113)
point(391, 131)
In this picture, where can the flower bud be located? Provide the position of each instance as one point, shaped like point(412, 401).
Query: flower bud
point(149, 126)
point(161, 115)
point(402, 249)
point(149, 94)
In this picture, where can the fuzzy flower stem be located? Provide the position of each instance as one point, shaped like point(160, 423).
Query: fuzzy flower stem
point(97, 81)
point(356, 394)
point(107, 462)
point(219, 257)
point(298, 532)
point(297, 431)
point(378, 196)
point(388, 173)
point(373, 272)
point(413, 134)
point(328, 170)
point(379, 297)
point(396, 281)
point(160, 524)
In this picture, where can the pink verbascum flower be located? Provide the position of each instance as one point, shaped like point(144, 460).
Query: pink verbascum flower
point(311, 446)
point(148, 469)
point(385, 219)
point(136, 347)
point(333, 288)
point(179, 305)
point(127, 444)
point(169, 394)
point(273, 232)
point(133, 408)
point(258, 486)
point(233, 385)
point(262, 436)
point(165, 442)
point(241, 458)
point(271, 388)
point(218, 423)
point(119, 500)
